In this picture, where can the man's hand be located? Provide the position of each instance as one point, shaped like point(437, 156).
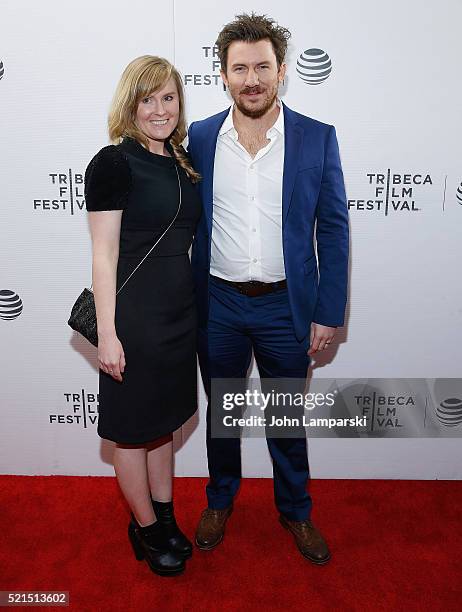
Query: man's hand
point(320, 337)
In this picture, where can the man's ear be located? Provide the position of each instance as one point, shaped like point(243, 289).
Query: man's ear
point(223, 78)
point(282, 72)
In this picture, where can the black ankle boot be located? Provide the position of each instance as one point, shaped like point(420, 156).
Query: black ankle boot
point(177, 541)
point(150, 543)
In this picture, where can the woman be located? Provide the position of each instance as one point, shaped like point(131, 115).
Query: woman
point(146, 333)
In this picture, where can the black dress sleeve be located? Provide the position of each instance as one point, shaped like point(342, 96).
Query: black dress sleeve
point(107, 180)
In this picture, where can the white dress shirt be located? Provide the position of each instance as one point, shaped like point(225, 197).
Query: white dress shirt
point(247, 207)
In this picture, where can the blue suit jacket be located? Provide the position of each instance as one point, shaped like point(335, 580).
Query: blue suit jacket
point(313, 206)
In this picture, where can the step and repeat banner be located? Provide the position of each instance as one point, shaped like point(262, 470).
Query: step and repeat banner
point(390, 84)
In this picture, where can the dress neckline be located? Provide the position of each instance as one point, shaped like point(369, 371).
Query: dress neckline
point(136, 148)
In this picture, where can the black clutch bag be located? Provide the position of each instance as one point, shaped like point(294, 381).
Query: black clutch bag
point(83, 316)
point(83, 313)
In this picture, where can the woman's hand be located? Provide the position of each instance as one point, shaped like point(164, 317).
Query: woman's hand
point(111, 356)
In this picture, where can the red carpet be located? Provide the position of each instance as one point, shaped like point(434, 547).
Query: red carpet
point(396, 545)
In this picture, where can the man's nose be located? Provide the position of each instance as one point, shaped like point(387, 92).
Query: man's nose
point(252, 78)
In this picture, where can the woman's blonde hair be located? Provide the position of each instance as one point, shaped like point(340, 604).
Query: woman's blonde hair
point(143, 76)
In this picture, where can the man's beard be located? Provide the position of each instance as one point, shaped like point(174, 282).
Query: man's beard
point(267, 103)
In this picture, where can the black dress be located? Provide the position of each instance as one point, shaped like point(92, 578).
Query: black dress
point(155, 315)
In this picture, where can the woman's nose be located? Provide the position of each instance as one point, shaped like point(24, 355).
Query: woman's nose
point(158, 108)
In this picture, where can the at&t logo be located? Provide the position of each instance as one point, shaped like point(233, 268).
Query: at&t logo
point(314, 66)
point(449, 412)
point(10, 304)
point(459, 194)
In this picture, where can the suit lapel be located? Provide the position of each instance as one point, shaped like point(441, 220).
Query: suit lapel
point(293, 140)
point(209, 148)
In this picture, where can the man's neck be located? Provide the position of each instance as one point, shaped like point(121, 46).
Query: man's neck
point(261, 124)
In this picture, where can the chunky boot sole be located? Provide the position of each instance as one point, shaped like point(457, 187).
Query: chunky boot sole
point(181, 555)
point(165, 515)
point(141, 556)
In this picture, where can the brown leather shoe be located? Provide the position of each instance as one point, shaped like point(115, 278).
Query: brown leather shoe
point(308, 539)
point(211, 528)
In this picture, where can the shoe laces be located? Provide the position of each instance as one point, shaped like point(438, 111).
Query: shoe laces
point(305, 525)
point(212, 513)
point(209, 513)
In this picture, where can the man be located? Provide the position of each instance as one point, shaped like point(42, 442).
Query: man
point(272, 183)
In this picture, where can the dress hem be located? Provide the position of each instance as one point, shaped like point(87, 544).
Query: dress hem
point(151, 438)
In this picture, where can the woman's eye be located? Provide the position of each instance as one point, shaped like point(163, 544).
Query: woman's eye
point(168, 98)
point(146, 100)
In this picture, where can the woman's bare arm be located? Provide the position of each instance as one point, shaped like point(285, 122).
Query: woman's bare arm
point(105, 235)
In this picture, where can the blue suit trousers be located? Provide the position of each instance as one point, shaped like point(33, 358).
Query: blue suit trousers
point(237, 325)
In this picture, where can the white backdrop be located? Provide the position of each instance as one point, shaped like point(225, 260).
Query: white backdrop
point(394, 96)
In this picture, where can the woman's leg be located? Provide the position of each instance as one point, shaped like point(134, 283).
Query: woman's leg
point(160, 468)
point(160, 474)
point(131, 471)
point(149, 538)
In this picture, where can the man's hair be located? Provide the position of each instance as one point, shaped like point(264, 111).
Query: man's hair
point(252, 28)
